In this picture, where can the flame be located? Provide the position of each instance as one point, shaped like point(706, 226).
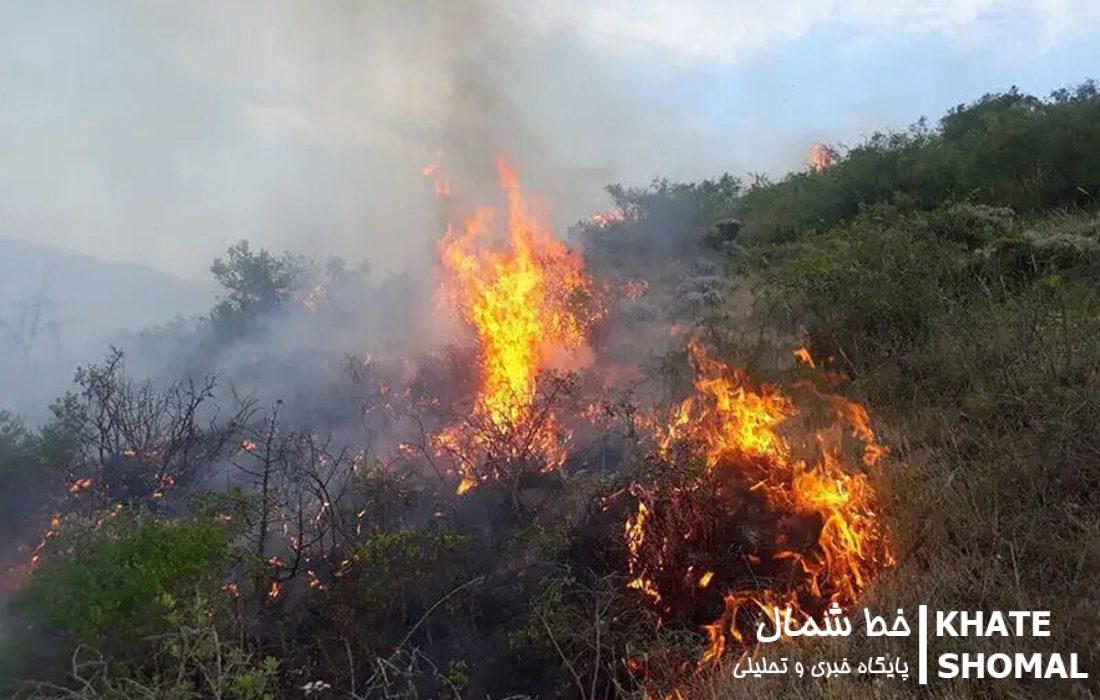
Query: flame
point(316, 295)
point(635, 289)
point(635, 537)
point(433, 170)
point(607, 219)
point(803, 355)
point(827, 541)
point(822, 156)
point(78, 485)
point(525, 301)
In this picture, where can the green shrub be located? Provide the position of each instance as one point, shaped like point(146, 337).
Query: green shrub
point(1005, 149)
point(193, 660)
point(406, 569)
point(1034, 253)
point(108, 586)
point(863, 289)
point(969, 224)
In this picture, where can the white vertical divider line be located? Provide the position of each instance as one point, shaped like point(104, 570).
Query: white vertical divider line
point(922, 644)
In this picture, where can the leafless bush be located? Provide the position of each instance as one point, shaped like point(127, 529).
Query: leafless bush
point(136, 440)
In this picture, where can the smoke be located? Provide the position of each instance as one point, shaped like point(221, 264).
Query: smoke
point(161, 134)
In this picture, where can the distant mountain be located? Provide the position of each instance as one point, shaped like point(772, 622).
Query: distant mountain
point(60, 308)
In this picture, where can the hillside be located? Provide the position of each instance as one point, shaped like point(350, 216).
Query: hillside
point(59, 309)
point(871, 384)
point(951, 275)
point(947, 277)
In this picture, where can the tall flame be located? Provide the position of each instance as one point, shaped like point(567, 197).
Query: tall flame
point(524, 300)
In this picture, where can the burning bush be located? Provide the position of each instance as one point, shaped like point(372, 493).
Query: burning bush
point(757, 506)
point(525, 302)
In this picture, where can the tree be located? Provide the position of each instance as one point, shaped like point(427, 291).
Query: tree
point(253, 284)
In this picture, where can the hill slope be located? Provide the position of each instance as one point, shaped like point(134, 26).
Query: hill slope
point(59, 308)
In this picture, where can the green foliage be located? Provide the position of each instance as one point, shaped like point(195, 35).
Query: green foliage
point(687, 204)
point(29, 464)
point(1032, 253)
point(969, 224)
point(952, 276)
point(108, 586)
point(1006, 149)
point(219, 668)
point(662, 222)
point(864, 289)
point(457, 674)
point(60, 435)
point(193, 660)
point(253, 283)
point(975, 338)
point(871, 290)
point(408, 568)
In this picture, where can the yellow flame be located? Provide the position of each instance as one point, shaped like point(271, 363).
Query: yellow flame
point(737, 426)
point(523, 300)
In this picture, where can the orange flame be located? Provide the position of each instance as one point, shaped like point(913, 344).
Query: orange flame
point(433, 170)
point(739, 432)
point(607, 219)
point(822, 156)
point(803, 355)
point(78, 485)
point(524, 301)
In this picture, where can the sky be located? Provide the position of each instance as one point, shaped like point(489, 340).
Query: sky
point(161, 132)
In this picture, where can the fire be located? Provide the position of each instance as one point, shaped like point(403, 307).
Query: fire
point(772, 520)
point(803, 355)
point(432, 170)
point(525, 301)
point(316, 295)
point(635, 289)
point(822, 156)
point(78, 485)
point(607, 219)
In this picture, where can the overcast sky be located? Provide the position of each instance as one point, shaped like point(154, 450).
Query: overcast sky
point(160, 132)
